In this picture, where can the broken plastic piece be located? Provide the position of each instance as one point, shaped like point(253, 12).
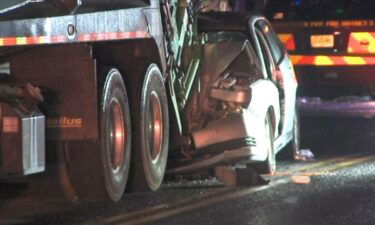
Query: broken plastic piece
point(304, 155)
point(239, 177)
point(241, 97)
point(301, 179)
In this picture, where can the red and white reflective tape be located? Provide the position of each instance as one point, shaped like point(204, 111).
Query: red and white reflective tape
point(112, 36)
point(15, 41)
point(57, 39)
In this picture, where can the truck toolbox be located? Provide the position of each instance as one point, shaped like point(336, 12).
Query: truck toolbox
point(22, 140)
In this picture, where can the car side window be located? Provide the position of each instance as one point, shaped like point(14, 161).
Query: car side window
point(277, 50)
point(266, 53)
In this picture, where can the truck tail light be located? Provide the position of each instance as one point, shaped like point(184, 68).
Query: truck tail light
point(288, 41)
point(361, 42)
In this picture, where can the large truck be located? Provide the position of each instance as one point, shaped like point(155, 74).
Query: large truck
point(331, 44)
point(106, 88)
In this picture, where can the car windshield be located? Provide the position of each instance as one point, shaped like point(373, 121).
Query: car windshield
point(320, 9)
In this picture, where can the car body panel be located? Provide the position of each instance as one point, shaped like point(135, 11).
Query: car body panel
point(286, 82)
point(231, 130)
point(264, 96)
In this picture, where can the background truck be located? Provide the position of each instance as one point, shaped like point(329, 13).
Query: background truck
point(332, 47)
point(103, 89)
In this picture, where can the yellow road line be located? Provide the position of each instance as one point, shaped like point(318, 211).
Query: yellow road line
point(313, 165)
point(157, 208)
point(349, 163)
point(200, 204)
point(244, 192)
point(323, 167)
point(160, 207)
point(327, 169)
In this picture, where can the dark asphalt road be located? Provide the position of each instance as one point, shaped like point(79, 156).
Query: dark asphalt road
point(341, 191)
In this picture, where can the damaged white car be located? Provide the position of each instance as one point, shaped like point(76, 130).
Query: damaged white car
point(243, 109)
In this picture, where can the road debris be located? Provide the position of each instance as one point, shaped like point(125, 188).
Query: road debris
point(301, 179)
point(304, 155)
point(239, 177)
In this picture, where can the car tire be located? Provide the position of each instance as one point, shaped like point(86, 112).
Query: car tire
point(293, 147)
point(151, 129)
point(269, 165)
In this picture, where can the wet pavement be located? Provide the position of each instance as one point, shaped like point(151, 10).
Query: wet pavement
point(338, 187)
point(348, 106)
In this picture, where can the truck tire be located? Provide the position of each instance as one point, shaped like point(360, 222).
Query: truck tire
point(99, 170)
point(151, 131)
point(268, 166)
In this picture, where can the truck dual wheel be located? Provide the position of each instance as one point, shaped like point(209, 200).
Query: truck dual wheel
point(99, 169)
point(151, 131)
point(268, 166)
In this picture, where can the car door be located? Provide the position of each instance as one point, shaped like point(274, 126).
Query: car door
point(283, 76)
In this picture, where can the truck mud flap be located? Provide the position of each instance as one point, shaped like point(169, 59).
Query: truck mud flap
point(66, 75)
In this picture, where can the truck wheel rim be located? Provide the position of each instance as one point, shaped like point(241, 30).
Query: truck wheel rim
point(155, 127)
point(117, 135)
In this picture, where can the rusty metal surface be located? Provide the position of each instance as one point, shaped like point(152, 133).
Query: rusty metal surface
point(66, 75)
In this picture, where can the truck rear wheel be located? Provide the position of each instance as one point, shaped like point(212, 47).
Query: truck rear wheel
point(151, 131)
point(99, 170)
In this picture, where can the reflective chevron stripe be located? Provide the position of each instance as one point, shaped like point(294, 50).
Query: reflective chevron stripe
point(361, 42)
point(324, 60)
